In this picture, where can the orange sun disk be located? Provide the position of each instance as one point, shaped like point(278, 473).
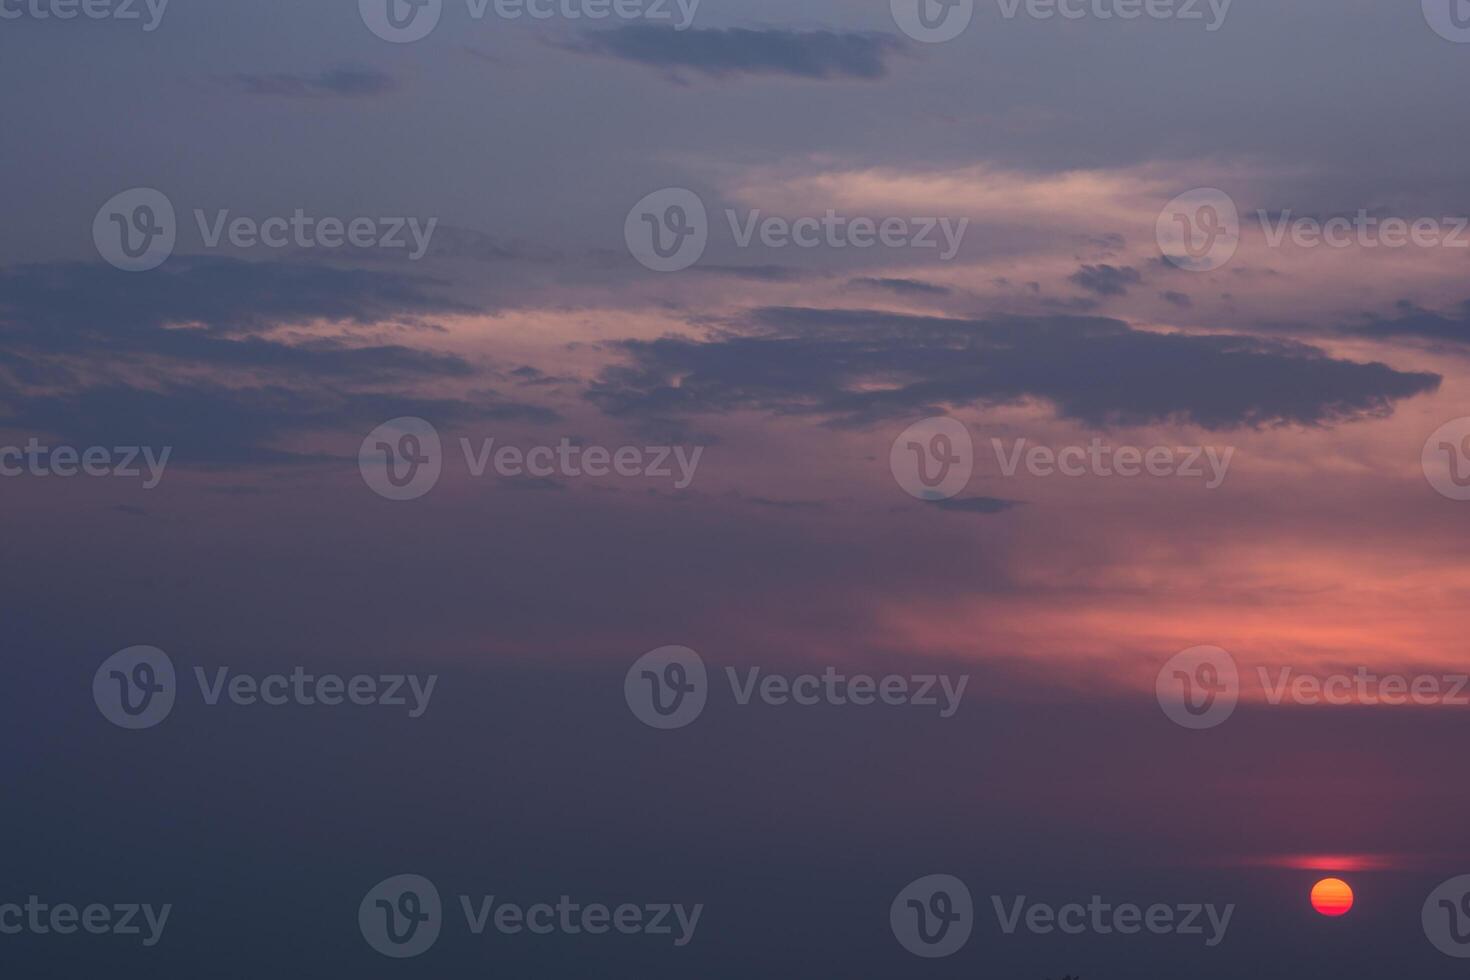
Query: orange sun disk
point(1332, 896)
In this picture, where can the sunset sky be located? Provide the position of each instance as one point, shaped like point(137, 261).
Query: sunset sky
point(1055, 143)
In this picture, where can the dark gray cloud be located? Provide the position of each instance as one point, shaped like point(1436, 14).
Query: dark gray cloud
point(904, 287)
point(724, 52)
point(857, 367)
point(1415, 321)
point(1106, 280)
point(1179, 299)
point(204, 377)
point(221, 295)
point(976, 505)
point(346, 82)
point(213, 311)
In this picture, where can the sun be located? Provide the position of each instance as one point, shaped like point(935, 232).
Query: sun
point(1332, 896)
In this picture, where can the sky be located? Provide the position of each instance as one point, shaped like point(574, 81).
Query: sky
point(626, 391)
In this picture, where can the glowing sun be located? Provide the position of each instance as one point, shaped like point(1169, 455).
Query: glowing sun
point(1332, 896)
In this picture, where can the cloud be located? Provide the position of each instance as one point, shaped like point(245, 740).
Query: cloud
point(859, 367)
point(976, 505)
point(1179, 299)
point(1106, 280)
point(221, 295)
point(345, 82)
point(904, 287)
point(726, 52)
point(192, 355)
point(1415, 321)
point(216, 311)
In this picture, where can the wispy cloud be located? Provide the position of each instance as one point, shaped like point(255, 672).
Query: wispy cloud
point(725, 52)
